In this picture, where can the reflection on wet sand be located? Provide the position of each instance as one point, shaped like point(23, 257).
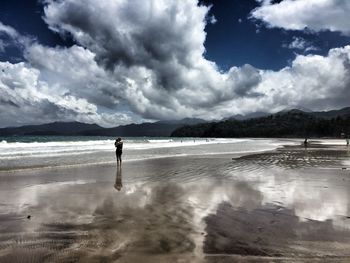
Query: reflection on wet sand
point(118, 178)
point(193, 209)
point(294, 158)
point(117, 228)
point(272, 231)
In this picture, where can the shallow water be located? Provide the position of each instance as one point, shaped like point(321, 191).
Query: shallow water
point(281, 205)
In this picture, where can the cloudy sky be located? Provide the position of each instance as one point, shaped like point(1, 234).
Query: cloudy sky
point(115, 62)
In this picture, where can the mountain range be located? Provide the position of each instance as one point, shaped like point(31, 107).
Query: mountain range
point(293, 122)
point(156, 129)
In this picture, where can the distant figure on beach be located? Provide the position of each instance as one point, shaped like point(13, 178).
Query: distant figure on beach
point(118, 150)
point(347, 141)
point(118, 179)
point(305, 142)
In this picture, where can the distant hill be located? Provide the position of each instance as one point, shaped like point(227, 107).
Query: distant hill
point(259, 114)
point(185, 121)
point(55, 128)
point(292, 123)
point(345, 112)
point(155, 129)
point(248, 116)
point(161, 128)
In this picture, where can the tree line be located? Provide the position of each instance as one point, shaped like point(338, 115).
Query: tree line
point(288, 124)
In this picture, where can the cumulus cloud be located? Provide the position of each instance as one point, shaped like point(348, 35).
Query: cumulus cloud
point(26, 99)
point(311, 81)
point(316, 15)
point(74, 71)
point(145, 60)
point(316, 82)
point(156, 48)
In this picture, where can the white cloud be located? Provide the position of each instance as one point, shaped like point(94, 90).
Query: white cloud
point(145, 60)
point(11, 32)
point(25, 99)
point(312, 81)
point(15, 37)
point(300, 44)
point(212, 19)
point(316, 15)
point(74, 71)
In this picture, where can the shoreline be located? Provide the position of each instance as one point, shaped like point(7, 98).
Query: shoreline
point(111, 153)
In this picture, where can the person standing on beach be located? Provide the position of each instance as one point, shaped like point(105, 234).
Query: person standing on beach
point(118, 150)
point(305, 142)
point(347, 141)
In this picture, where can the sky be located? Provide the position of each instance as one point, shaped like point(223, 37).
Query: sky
point(115, 62)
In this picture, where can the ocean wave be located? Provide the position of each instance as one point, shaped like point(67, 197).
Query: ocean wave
point(160, 141)
point(13, 150)
point(56, 154)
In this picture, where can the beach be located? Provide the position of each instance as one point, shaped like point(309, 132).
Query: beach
point(197, 203)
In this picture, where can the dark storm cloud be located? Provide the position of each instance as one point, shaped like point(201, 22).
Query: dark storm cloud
point(134, 36)
point(246, 80)
point(156, 49)
point(158, 36)
point(9, 103)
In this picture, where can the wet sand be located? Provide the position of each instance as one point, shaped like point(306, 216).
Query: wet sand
point(288, 205)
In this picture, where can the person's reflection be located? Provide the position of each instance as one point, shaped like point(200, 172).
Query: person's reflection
point(118, 179)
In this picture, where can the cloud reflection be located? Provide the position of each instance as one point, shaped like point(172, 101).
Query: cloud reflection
point(198, 206)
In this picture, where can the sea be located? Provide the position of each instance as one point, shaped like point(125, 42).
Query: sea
point(34, 152)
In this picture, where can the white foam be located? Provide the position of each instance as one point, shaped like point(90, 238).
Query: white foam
point(20, 149)
point(160, 141)
point(332, 141)
point(13, 150)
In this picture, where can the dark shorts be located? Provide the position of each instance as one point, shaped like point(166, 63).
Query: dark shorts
point(118, 153)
